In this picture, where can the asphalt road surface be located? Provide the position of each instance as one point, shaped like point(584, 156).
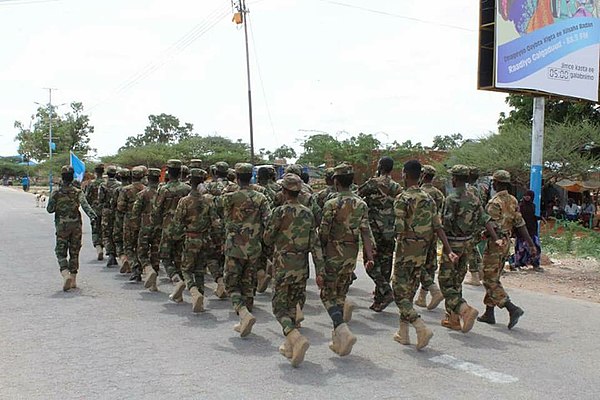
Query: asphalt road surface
point(112, 340)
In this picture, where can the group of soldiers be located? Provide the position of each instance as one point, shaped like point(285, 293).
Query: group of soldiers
point(248, 235)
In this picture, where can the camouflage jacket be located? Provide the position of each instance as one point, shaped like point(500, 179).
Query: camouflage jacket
point(91, 194)
point(65, 202)
point(106, 193)
point(463, 215)
point(165, 203)
point(127, 197)
point(292, 231)
point(143, 205)
point(246, 214)
point(268, 191)
point(503, 209)
point(417, 216)
point(435, 194)
point(196, 218)
point(345, 219)
point(326, 194)
point(379, 194)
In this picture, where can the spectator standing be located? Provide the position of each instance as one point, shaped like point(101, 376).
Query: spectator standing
point(588, 212)
point(25, 183)
point(523, 255)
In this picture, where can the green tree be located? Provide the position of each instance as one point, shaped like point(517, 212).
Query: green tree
point(447, 142)
point(556, 111)
point(281, 152)
point(70, 132)
point(162, 129)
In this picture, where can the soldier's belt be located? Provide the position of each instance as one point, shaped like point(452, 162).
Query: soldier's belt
point(194, 235)
point(459, 238)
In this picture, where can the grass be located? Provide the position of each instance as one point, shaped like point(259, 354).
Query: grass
point(570, 238)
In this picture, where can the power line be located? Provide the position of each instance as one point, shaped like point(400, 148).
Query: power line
point(260, 75)
point(23, 2)
point(390, 14)
point(172, 51)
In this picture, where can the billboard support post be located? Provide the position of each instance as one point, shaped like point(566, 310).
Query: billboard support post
point(537, 152)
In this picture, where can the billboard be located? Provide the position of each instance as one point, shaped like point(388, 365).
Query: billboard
point(550, 46)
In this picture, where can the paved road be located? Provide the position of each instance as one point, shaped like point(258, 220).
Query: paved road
point(112, 340)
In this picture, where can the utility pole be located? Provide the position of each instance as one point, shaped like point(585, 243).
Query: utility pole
point(50, 134)
point(240, 17)
point(537, 152)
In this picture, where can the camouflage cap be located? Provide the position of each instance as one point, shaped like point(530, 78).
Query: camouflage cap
point(111, 169)
point(291, 182)
point(343, 169)
point(243, 168)
point(329, 173)
point(195, 163)
point(124, 172)
point(154, 172)
point(222, 167)
point(501, 176)
point(428, 170)
point(99, 167)
point(173, 163)
point(138, 172)
point(293, 169)
point(460, 170)
point(66, 169)
point(198, 173)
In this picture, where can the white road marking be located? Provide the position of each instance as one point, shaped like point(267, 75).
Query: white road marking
point(473, 369)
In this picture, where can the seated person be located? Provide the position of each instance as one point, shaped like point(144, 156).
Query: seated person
point(571, 211)
point(588, 211)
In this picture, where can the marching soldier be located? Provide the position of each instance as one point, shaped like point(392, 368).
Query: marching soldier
point(105, 201)
point(91, 195)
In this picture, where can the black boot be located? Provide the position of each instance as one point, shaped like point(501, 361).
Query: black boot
point(515, 313)
point(135, 277)
point(488, 317)
point(112, 261)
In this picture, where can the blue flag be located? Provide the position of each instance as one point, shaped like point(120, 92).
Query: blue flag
point(78, 167)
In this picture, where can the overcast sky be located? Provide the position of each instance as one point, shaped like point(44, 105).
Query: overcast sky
point(325, 66)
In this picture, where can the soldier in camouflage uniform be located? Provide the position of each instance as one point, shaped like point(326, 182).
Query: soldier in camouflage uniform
point(215, 257)
point(292, 232)
point(91, 195)
point(475, 262)
point(246, 214)
point(124, 176)
point(503, 208)
point(345, 222)
point(131, 227)
point(379, 194)
point(264, 271)
point(149, 235)
point(105, 201)
point(185, 172)
point(428, 274)
point(64, 203)
point(329, 191)
point(417, 221)
point(171, 246)
point(196, 219)
point(463, 218)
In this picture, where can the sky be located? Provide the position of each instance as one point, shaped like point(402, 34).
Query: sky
point(397, 69)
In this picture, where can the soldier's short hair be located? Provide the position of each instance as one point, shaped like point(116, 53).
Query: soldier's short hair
point(412, 169)
point(386, 164)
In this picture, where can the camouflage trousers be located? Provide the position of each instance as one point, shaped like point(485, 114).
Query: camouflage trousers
point(337, 281)
point(147, 248)
point(97, 229)
point(107, 231)
point(240, 280)
point(493, 263)
point(118, 234)
point(68, 243)
point(287, 292)
point(382, 268)
point(130, 241)
point(194, 263)
point(431, 265)
point(452, 275)
point(475, 261)
point(170, 254)
point(411, 255)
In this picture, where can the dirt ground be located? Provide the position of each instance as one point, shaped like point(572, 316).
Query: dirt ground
point(578, 278)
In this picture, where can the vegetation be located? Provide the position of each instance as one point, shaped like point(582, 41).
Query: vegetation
point(570, 238)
